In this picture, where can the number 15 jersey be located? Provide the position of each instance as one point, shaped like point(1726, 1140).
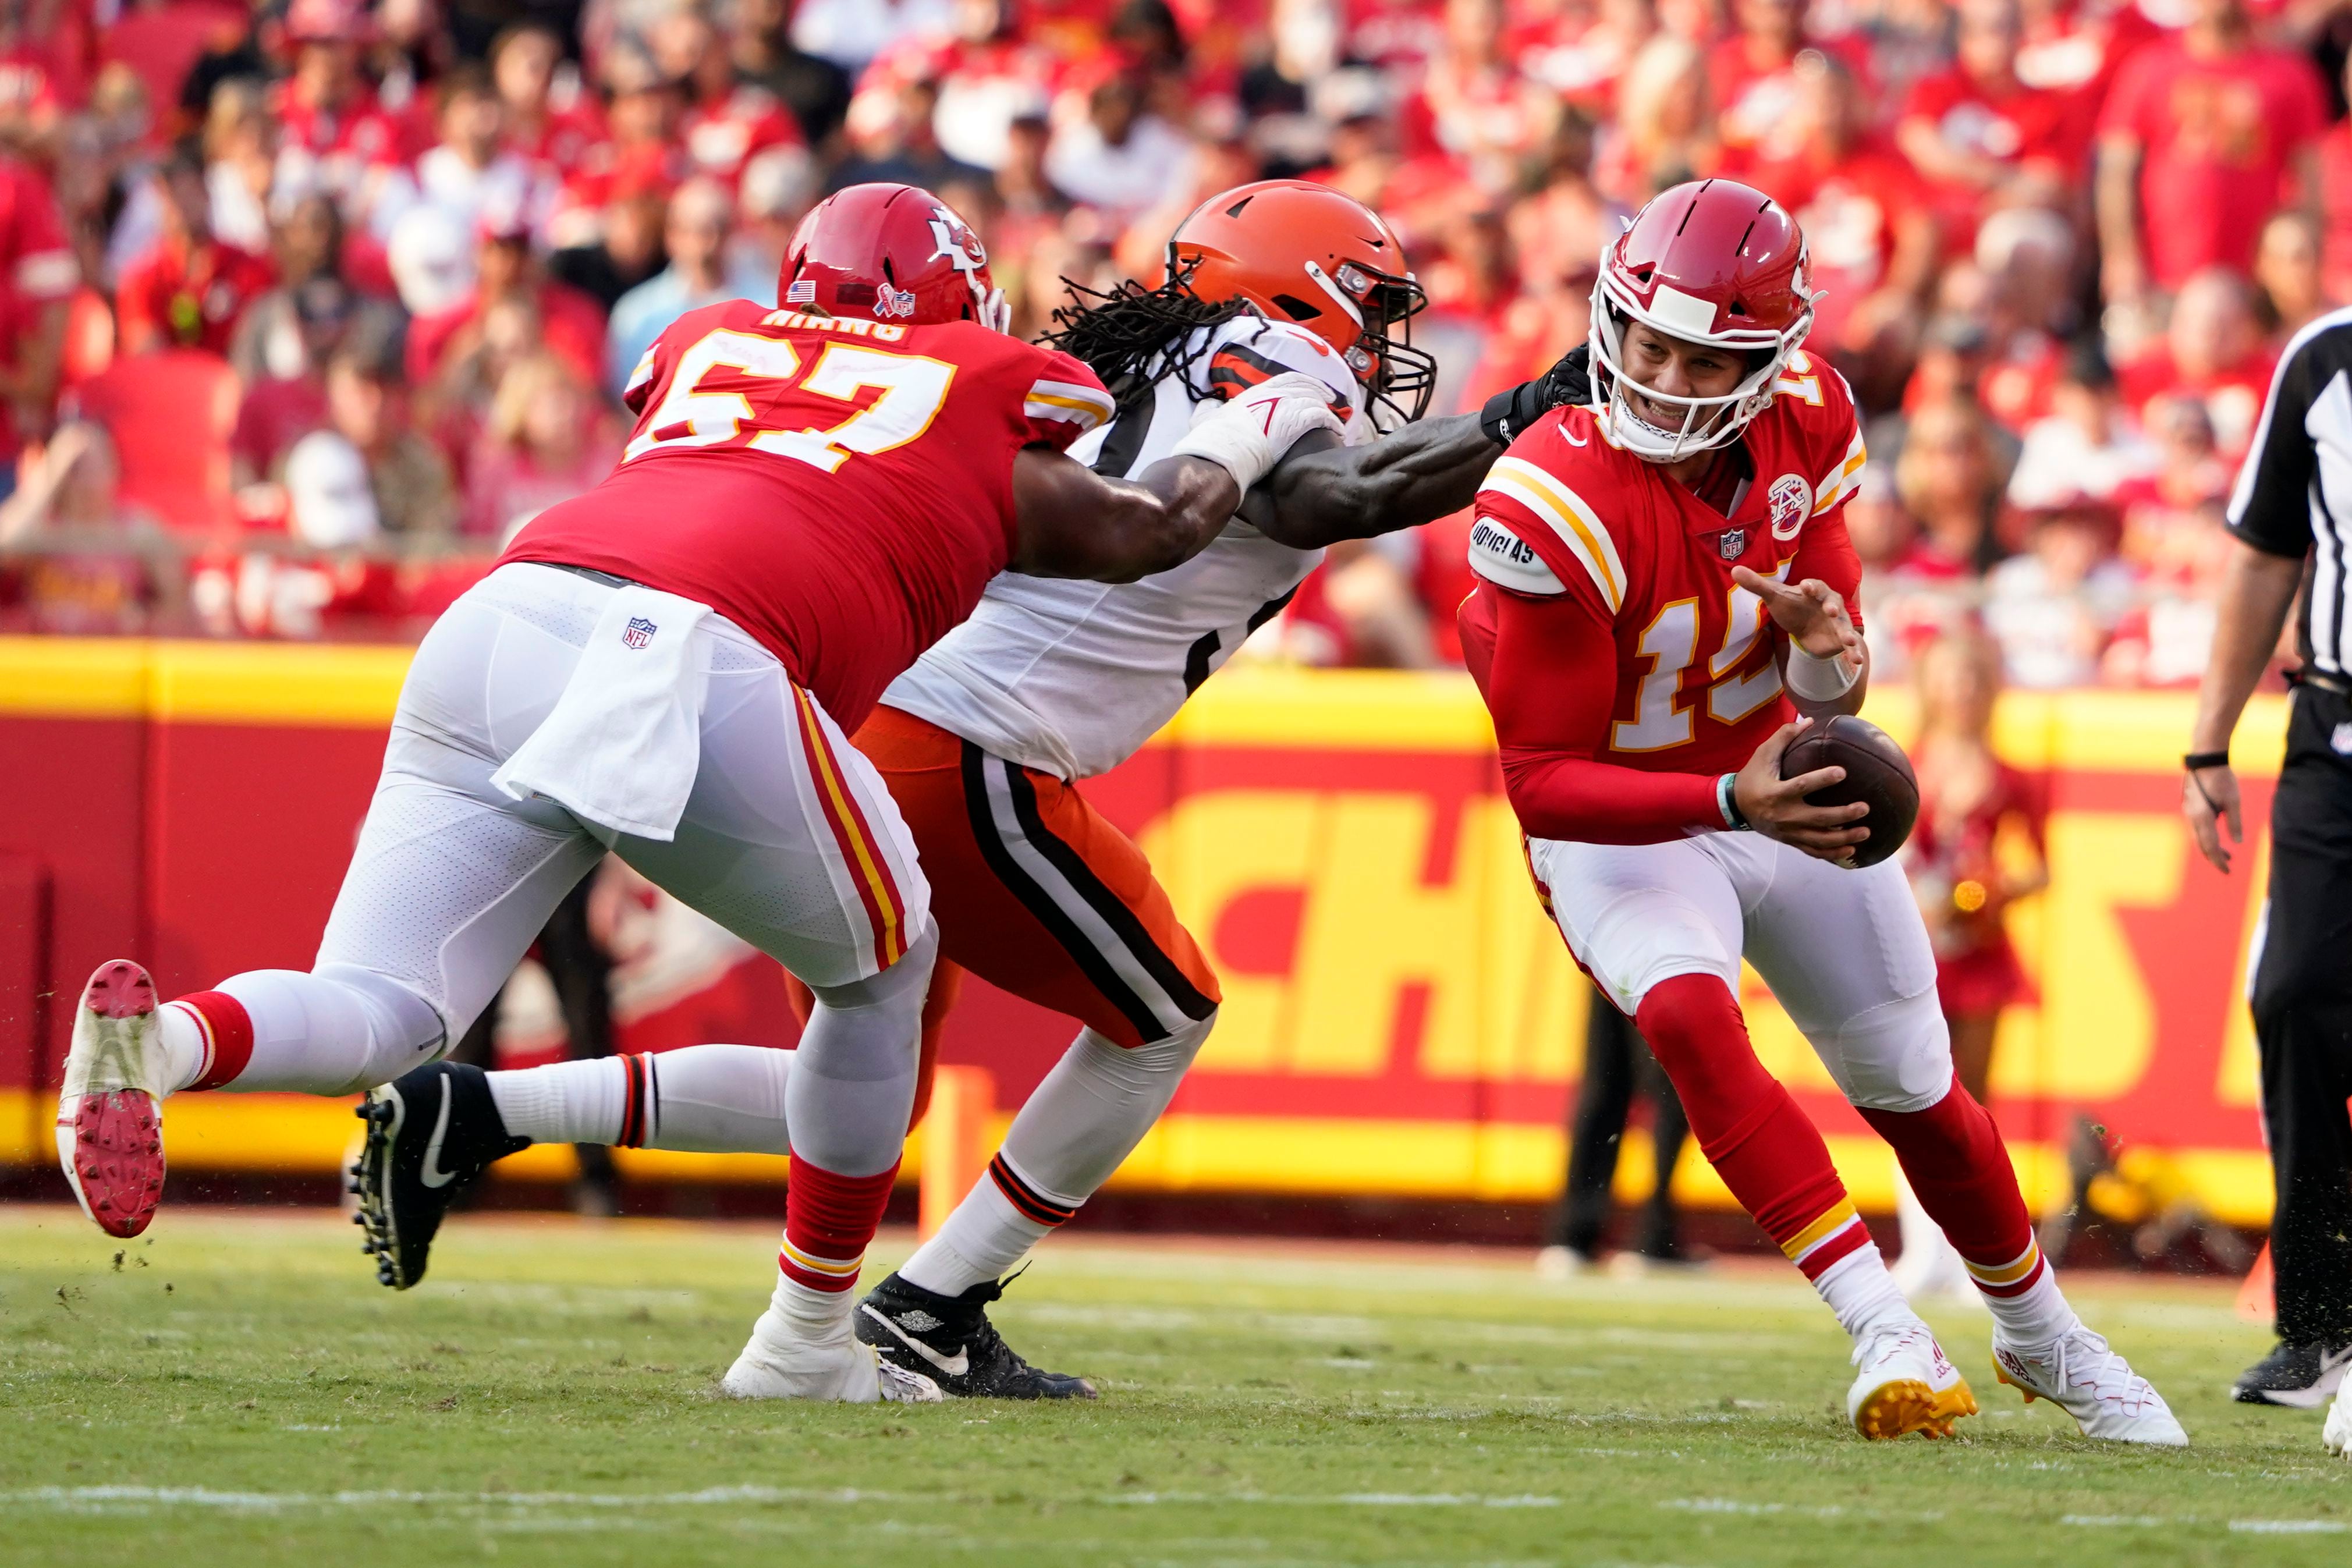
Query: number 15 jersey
point(1681, 674)
point(842, 490)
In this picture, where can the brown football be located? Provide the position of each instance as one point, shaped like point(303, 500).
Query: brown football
point(1877, 773)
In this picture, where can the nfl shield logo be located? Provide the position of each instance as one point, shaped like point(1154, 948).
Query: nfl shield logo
point(1731, 543)
point(640, 632)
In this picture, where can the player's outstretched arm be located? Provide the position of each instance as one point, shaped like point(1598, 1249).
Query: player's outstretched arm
point(1074, 522)
point(1422, 472)
point(1429, 469)
point(1071, 521)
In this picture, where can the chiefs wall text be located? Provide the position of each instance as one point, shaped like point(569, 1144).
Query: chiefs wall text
point(1398, 1019)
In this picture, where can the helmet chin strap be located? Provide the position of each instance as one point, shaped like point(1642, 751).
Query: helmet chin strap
point(1724, 416)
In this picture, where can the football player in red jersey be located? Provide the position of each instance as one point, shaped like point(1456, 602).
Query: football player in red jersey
point(986, 741)
point(1664, 604)
point(664, 667)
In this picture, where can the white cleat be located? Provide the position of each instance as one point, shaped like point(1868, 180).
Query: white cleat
point(2077, 1372)
point(779, 1363)
point(1906, 1383)
point(2336, 1436)
point(109, 1108)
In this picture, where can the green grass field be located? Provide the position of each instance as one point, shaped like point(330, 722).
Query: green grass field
point(237, 1389)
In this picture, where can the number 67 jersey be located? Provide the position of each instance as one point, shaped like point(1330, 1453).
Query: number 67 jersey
point(842, 490)
point(1567, 518)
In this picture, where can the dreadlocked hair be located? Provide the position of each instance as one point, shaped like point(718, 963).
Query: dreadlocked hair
point(1131, 336)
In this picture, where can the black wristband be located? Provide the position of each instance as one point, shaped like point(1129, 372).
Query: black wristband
point(2196, 760)
point(1507, 415)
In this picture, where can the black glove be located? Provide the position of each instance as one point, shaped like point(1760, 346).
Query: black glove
point(1507, 415)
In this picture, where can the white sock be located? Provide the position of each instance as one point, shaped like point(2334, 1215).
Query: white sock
point(337, 1031)
point(2035, 1315)
point(1862, 1294)
point(704, 1100)
point(1086, 1117)
point(982, 1238)
point(1928, 1262)
point(564, 1102)
point(721, 1100)
point(807, 1313)
point(183, 1046)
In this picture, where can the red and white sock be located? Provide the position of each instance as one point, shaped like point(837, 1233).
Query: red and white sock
point(207, 1039)
point(1767, 1152)
point(290, 1030)
point(829, 1221)
point(607, 1099)
point(1959, 1167)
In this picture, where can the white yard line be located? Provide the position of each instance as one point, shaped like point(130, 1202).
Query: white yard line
point(89, 1498)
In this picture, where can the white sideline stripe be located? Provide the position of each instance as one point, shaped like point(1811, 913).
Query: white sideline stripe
point(1740, 1506)
point(2289, 1526)
point(206, 1498)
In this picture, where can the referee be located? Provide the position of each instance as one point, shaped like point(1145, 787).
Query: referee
point(2291, 516)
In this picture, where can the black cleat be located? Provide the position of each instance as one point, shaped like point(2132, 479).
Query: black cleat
point(2299, 1376)
point(949, 1339)
point(430, 1135)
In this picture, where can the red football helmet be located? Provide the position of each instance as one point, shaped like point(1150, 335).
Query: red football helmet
point(890, 253)
point(1713, 261)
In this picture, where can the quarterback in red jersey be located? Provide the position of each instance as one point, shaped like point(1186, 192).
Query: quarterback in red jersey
point(1663, 602)
point(663, 668)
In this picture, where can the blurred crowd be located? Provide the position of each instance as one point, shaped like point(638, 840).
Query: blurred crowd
point(304, 307)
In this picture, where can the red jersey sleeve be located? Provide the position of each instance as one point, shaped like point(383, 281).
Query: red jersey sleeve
point(1539, 637)
point(1065, 401)
point(1827, 550)
point(1828, 553)
point(1548, 669)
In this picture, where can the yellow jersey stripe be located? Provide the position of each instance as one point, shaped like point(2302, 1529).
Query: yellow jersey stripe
point(1568, 518)
point(1081, 406)
point(1586, 522)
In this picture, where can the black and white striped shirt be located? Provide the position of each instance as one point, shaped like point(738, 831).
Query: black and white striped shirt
point(2294, 497)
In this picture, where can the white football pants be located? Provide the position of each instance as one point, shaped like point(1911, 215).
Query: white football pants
point(1845, 952)
point(452, 878)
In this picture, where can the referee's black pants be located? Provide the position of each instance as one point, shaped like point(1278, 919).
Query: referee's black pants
point(1617, 1062)
point(2303, 1021)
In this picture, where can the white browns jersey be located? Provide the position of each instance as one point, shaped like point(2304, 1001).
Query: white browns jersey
point(1072, 677)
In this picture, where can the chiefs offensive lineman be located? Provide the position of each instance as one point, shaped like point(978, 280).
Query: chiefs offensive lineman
point(1050, 682)
point(1664, 600)
point(664, 668)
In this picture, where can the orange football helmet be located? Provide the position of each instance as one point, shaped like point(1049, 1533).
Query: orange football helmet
point(1304, 253)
